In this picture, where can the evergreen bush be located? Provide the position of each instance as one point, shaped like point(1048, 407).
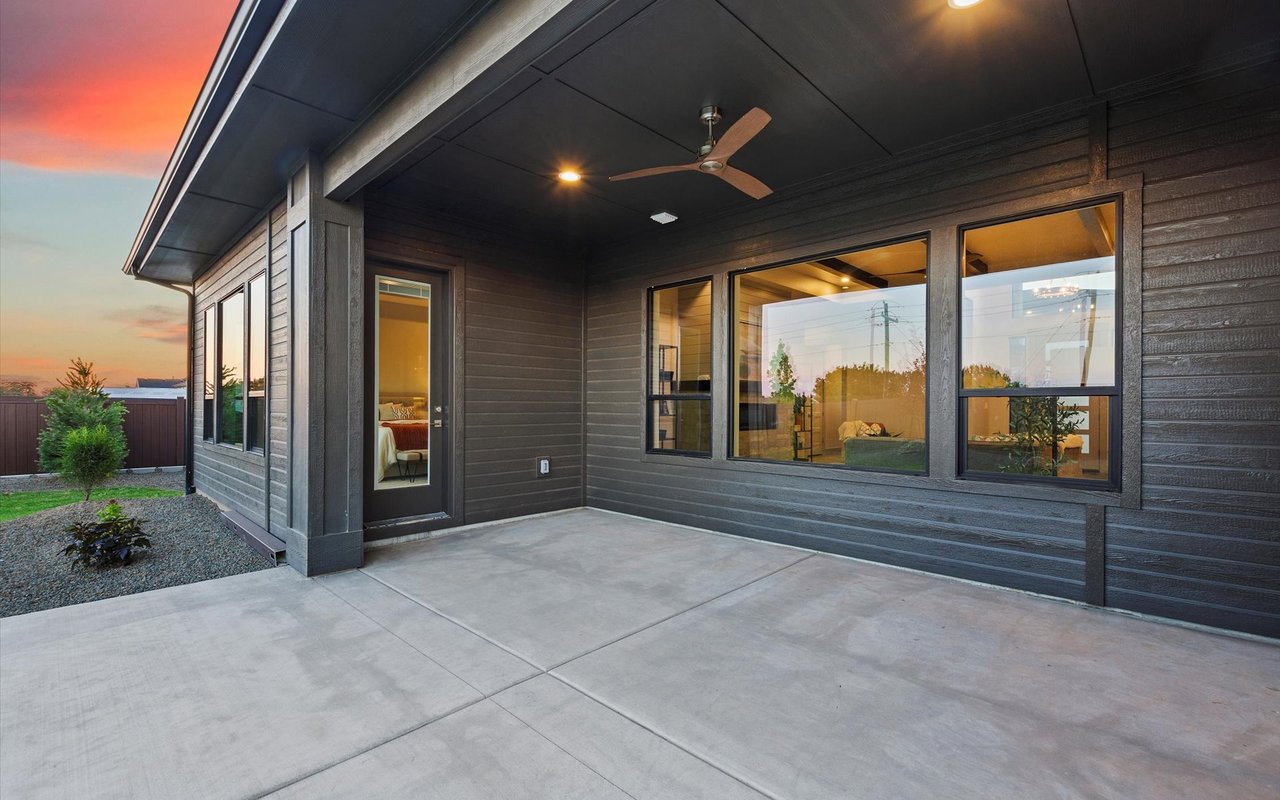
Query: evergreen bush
point(90, 456)
point(78, 402)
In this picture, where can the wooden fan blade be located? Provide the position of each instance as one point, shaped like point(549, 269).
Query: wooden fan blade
point(741, 132)
point(644, 173)
point(744, 182)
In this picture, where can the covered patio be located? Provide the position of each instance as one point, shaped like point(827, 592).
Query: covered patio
point(593, 654)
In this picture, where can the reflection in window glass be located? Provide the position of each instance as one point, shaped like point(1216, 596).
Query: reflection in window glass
point(231, 377)
point(210, 369)
point(680, 368)
point(1059, 437)
point(830, 358)
point(257, 398)
point(1039, 301)
point(402, 384)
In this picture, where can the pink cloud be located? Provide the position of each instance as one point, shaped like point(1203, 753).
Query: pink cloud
point(102, 85)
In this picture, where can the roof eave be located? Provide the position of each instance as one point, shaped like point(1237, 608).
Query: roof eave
point(245, 34)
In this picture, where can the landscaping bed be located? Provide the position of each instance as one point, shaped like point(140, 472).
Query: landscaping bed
point(189, 543)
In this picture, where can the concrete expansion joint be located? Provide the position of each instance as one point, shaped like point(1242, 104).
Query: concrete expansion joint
point(548, 671)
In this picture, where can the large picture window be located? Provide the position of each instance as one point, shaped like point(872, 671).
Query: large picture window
point(210, 370)
point(830, 360)
point(256, 405)
point(1039, 353)
point(231, 370)
point(679, 395)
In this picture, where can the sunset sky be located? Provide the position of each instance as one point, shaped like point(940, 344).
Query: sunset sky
point(93, 95)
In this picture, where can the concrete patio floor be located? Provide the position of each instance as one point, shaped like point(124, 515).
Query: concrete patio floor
point(594, 655)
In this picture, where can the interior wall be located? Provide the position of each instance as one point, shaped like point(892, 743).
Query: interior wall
point(522, 380)
point(1203, 545)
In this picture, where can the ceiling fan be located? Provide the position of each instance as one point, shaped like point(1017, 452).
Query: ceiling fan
point(713, 156)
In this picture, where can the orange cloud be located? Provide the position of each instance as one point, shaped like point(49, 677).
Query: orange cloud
point(161, 323)
point(102, 85)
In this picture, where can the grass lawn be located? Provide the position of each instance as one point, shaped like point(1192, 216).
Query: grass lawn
point(19, 504)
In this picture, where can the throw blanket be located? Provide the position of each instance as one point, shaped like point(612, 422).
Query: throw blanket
point(408, 435)
point(854, 428)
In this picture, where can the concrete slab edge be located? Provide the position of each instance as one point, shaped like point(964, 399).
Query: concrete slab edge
point(436, 534)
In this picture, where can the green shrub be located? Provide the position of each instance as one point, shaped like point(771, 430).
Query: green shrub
point(90, 456)
point(111, 541)
point(78, 402)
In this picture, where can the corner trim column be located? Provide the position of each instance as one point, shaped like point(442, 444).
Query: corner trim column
point(326, 499)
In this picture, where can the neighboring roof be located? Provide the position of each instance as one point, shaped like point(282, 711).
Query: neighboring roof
point(161, 383)
point(129, 392)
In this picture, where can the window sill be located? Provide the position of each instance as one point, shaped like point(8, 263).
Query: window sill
point(256, 457)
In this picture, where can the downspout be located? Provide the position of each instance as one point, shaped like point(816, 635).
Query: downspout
point(189, 468)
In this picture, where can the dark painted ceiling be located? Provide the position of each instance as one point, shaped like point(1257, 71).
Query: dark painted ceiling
point(848, 82)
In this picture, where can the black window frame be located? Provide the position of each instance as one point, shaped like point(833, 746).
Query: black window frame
point(652, 398)
point(241, 289)
point(731, 401)
point(209, 395)
point(213, 427)
point(1114, 392)
point(250, 393)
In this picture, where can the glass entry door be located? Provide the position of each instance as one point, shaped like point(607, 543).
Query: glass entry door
point(407, 437)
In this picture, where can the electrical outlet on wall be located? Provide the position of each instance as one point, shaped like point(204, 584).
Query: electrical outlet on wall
point(542, 466)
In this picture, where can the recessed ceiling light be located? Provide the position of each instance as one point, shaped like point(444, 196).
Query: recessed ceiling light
point(963, 3)
point(663, 217)
point(569, 176)
point(845, 279)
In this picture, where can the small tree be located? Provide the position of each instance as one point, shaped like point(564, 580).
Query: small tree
point(782, 378)
point(90, 456)
point(77, 402)
point(1041, 424)
point(80, 377)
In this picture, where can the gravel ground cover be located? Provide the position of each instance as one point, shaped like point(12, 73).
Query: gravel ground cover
point(189, 543)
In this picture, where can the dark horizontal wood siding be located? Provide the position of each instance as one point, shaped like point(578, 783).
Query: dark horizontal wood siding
point(230, 476)
point(522, 362)
point(1030, 545)
point(1205, 545)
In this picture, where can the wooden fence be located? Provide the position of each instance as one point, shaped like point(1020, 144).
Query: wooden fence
point(154, 428)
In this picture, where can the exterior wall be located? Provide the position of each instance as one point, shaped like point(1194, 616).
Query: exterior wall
point(279, 330)
point(231, 477)
point(521, 334)
point(1204, 545)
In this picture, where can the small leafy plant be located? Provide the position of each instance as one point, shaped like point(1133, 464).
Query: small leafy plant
point(109, 542)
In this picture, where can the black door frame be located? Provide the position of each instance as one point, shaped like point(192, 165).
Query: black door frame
point(451, 272)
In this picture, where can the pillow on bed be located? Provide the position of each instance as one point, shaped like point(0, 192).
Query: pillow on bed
point(399, 411)
point(385, 411)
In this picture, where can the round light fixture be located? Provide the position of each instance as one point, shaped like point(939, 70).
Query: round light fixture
point(845, 279)
point(963, 3)
point(569, 176)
